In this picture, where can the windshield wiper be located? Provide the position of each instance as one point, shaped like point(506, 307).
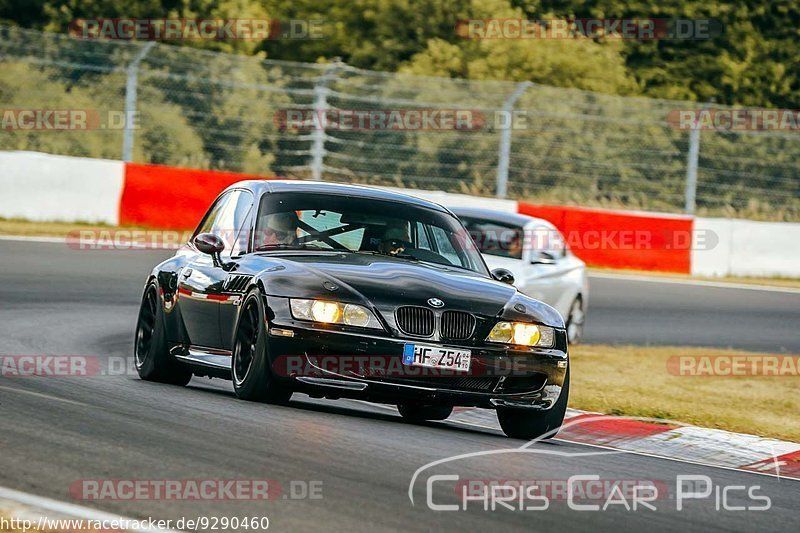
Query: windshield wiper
point(288, 246)
point(407, 257)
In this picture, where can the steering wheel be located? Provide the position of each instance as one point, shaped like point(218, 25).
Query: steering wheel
point(395, 246)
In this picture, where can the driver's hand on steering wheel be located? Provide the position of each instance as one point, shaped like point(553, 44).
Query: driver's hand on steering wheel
point(393, 246)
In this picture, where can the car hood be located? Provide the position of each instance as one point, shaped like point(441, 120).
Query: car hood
point(387, 282)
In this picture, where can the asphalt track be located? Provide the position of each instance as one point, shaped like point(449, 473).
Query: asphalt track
point(55, 431)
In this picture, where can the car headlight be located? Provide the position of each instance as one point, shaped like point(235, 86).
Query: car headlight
point(333, 313)
point(523, 334)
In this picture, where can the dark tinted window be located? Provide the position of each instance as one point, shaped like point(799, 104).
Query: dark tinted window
point(351, 223)
point(494, 238)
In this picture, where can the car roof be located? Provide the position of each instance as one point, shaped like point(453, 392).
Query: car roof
point(323, 187)
point(503, 217)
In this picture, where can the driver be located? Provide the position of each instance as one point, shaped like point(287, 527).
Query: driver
point(514, 245)
point(395, 239)
point(279, 228)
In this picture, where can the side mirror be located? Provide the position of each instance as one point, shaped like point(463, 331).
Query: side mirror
point(504, 275)
point(543, 258)
point(210, 244)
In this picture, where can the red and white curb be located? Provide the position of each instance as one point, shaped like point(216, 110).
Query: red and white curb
point(669, 440)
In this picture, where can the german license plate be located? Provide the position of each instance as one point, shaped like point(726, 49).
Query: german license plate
point(436, 357)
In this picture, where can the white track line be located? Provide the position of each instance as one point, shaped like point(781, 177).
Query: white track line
point(697, 282)
point(68, 509)
point(44, 396)
point(26, 238)
point(89, 243)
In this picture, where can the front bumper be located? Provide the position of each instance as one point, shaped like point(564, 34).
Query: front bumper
point(499, 376)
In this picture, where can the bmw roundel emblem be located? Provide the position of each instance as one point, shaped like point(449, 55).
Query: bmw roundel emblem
point(435, 302)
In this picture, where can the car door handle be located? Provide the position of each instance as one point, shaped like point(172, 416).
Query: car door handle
point(187, 272)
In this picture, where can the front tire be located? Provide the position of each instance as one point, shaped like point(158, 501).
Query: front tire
point(420, 413)
point(575, 320)
point(151, 353)
point(251, 373)
point(526, 424)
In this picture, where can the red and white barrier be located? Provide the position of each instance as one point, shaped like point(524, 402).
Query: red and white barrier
point(622, 239)
point(45, 187)
point(746, 248)
point(162, 197)
point(601, 237)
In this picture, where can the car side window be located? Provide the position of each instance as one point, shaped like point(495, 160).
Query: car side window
point(548, 239)
point(243, 223)
point(422, 237)
point(493, 238)
point(227, 219)
point(559, 246)
point(444, 247)
point(208, 222)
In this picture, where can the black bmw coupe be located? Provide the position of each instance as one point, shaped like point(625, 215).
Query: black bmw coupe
point(348, 291)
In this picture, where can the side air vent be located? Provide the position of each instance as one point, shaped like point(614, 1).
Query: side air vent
point(413, 320)
point(237, 283)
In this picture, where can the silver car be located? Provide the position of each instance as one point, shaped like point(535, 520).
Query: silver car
point(535, 252)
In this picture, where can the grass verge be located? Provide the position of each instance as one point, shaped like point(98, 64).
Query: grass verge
point(49, 229)
point(636, 381)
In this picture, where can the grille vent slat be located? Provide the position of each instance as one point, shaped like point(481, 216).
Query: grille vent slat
point(457, 325)
point(414, 320)
point(421, 321)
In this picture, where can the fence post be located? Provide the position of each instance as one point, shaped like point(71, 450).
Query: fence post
point(504, 154)
point(691, 166)
point(320, 107)
point(130, 100)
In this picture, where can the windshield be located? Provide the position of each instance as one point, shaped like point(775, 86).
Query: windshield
point(495, 238)
point(364, 225)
